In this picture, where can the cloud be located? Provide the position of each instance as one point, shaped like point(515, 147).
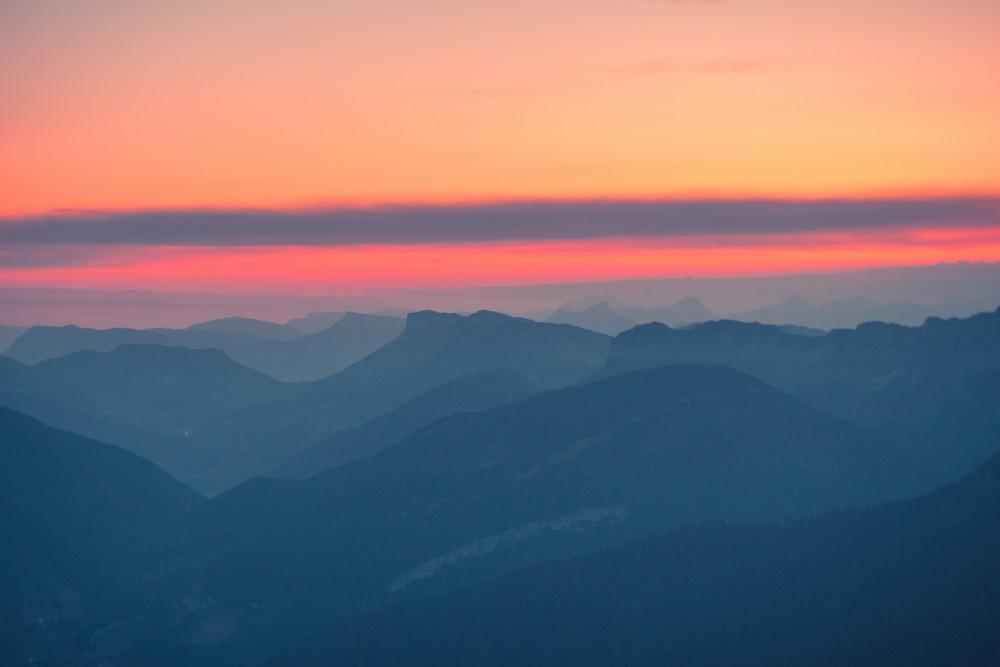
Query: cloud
point(526, 221)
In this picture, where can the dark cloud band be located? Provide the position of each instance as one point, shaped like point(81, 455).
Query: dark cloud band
point(501, 222)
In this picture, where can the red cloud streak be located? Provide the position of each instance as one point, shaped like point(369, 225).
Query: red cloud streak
point(333, 269)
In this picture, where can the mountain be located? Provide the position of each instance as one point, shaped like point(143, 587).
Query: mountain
point(479, 494)
point(797, 330)
point(688, 310)
point(12, 372)
point(612, 316)
point(157, 401)
point(77, 517)
point(315, 322)
point(914, 384)
point(40, 343)
point(599, 317)
point(853, 312)
point(433, 349)
point(214, 423)
point(321, 354)
point(8, 335)
point(228, 334)
point(913, 583)
point(466, 394)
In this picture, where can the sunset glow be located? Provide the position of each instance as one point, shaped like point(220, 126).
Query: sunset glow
point(223, 105)
point(307, 269)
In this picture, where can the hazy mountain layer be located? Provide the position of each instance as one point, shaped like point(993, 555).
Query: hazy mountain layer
point(156, 401)
point(433, 349)
point(466, 394)
point(321, 354)
point(478, 494)
point(215, 423)
point(931, 388)
point(228, 334)
point(599, 317)
point(8, 335)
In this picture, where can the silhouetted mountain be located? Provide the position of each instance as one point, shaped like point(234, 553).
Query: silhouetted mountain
point(228, 334)
point(797, 330)
point(8, 335)
point(319, 355)
point(478, 494)
point(913, 384)
point(466, 394)
point(157, 401)
point(40, 343)
point(599, 317)
point(77, 517)
point(907, 584)
point(315, 322)
point(433, 349)
point(688, 310)
point(213, 423)
point(853, 312)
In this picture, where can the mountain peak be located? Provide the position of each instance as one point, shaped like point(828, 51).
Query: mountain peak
point(423, 323)
point(420, 317)
point(490, 316)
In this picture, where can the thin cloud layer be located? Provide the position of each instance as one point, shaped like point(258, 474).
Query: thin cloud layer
point(490, 223)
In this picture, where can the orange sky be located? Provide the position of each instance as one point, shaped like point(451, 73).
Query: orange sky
point(121, 105)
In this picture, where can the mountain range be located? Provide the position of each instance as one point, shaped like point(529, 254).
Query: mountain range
point(486, 489)
point(912, 583)
point(214, 423)
point(321, 354)
point(479, 494)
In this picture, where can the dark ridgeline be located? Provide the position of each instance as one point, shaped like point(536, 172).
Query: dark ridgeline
point(620, 448)
point(933, 389)
point(434, 348)
point(229, 334)
point(214, 423)
point(42, 342)
point(160, 402)
point(476, 495)
point(281, 351)
point(913, 583)
point(78, 519)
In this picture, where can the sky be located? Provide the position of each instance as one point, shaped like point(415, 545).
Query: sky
point(315, 146)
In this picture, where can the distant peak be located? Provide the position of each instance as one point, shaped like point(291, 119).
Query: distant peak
point(424, 319)
point(489, 316)
point(649, 328)
point(430, 315)
point(600, 307)
point(428, 324)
